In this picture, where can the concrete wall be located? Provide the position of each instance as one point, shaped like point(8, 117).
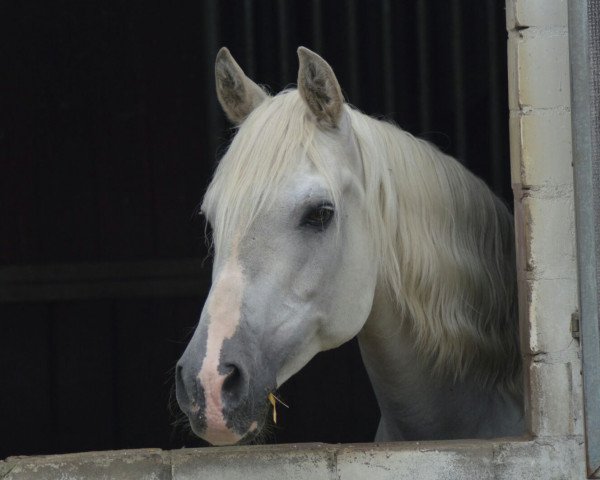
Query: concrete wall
point(543, 186)
point(542, 177)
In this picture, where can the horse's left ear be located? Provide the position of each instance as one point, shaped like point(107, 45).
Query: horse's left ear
point(319, 88)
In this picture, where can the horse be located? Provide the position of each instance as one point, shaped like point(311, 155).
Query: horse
point(329, 224)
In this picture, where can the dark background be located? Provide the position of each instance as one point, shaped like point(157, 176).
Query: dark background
point(109, 132)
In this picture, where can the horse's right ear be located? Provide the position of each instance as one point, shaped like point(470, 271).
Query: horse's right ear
point(238, 95)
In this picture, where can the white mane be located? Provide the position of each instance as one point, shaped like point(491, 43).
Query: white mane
point(444, 241)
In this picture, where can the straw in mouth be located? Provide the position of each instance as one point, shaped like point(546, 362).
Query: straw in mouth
point(273, 401)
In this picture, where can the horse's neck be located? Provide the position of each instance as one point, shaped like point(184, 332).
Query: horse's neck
point(417, 405)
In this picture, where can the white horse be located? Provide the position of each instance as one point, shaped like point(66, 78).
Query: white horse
point(329, 224)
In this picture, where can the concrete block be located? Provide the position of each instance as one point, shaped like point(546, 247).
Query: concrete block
point(550, 459)
point(551, 304)
point(6, 466)
point(150, 464)
point(510, 15)
point(514, 134)
point(577, 396)
point(422, 460)
point(543, 71)
point(550, 240)
point(538, 13)
point(264, 461)
point(513, 73)
point(550, 403)
point(545, 149)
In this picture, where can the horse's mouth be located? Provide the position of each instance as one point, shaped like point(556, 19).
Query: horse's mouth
point(197, 423)
point(199, 427)
point(250, 437)
point(255, 430)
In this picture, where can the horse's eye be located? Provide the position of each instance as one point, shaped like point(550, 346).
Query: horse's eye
point(319, 217)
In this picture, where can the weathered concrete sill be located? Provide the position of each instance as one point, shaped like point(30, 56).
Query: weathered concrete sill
point(548, 458)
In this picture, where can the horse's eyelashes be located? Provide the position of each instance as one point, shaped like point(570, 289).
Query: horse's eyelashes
point(319, 217)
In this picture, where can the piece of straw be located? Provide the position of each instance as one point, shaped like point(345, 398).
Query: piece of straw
point(273, 401)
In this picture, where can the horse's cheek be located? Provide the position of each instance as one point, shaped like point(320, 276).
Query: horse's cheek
point(359, 272)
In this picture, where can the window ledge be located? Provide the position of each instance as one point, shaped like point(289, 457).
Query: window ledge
point(548, 457)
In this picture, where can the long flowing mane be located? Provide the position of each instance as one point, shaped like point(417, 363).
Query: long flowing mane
point(444, 241)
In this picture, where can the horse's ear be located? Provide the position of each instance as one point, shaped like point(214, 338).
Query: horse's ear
point(238, 95)
point(319, 88)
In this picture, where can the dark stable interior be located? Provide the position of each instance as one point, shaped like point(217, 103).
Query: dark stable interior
point(109, 134)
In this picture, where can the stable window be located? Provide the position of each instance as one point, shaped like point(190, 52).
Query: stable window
point(540, 140)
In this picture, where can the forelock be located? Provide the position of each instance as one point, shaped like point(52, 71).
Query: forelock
point(269, 146)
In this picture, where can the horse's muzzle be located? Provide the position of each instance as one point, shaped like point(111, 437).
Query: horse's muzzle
point(222, 406)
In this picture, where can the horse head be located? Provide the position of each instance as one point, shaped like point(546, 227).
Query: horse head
point(294, 268)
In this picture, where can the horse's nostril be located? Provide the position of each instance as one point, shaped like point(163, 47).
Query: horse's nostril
point(234, 376)
point(234, 384)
